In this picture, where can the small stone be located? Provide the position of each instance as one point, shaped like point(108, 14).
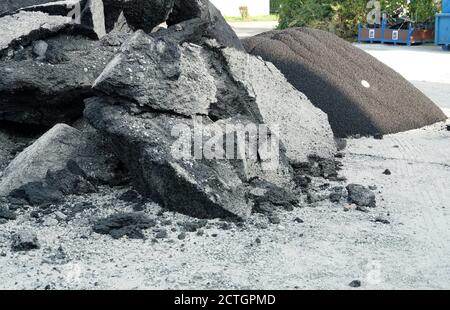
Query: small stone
point(347, 208)
point(362, 209)
point(129, 196)
point(381, 220)
point(264, 208)
point(361, 196)
point(34, 214)
point(339, 155)
point(274, 220)
point(182, 236)
point(448, 127)
point(387, 172)
point(138, 207)
point(24, 241)
point(378, 136)
point(313, 197)
point(166, 222)
point(194, 225)
point(298, 220)
point(302, 181)
point(7, 214)
point(341, 144)
point(355, 283)
point(49, 222)
point(60, 216)
point(261, 226)
point(200, 232)
point(56, 56)
point(258, 240)
point(225, 226)
point(335, 197)
point(40, 48)
point(162, 234)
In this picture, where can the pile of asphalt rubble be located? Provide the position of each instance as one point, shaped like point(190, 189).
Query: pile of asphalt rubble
point(96, 97)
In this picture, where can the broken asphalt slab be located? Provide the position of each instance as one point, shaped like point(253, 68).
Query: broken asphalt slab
point(50, 167)
point(144, 143)
point(24, 27)
point(50, 88)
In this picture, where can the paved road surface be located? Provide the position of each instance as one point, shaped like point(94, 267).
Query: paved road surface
point(427, 67)
point(249, 29)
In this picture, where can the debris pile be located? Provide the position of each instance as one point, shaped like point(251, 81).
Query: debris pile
point(360, 94)
point(181, 115)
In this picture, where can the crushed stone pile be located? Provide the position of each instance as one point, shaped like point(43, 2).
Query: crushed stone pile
point(360, 94)
point(182, 119)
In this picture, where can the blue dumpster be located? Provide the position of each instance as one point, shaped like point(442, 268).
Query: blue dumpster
point(445, 6)
point(443, 26)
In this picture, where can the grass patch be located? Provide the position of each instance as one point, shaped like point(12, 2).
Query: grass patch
point(265, 18)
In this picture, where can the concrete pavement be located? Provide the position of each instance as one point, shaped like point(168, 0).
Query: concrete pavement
point(427, 67)
point(250, 29)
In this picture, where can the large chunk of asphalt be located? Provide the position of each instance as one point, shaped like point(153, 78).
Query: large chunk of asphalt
point(24, 27)
point(87, 14)
point(8, 6)
point(50, 88)
point(63, 161)
point(302, 128)
point(201, 188)
point(159, 76)
point(139, 14)
point(217, 29)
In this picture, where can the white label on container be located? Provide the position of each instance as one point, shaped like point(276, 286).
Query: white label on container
point(395, 35)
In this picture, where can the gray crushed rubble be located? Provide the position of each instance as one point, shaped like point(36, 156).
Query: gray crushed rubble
point(104, 113)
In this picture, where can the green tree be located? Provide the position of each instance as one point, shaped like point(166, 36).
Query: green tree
point(342, 16)
point(423, 10)
point(305, 13)
point(346, 16)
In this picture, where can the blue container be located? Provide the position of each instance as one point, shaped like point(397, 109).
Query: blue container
point(443, 30)
point(445, 6)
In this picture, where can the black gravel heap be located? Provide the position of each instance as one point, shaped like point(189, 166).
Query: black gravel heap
point(331, 72)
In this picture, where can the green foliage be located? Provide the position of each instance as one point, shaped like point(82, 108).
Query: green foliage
point(392, 6)
point(342, 16)
point(422, 10)
point(346, 16)
point(301, 13)
point(275, 6)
